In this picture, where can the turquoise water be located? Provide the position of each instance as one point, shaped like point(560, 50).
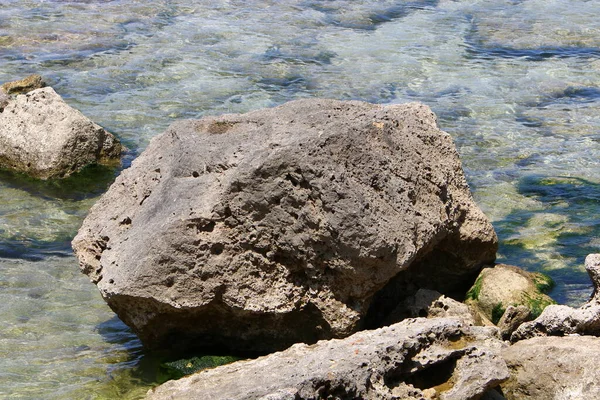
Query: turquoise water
point(516, 83)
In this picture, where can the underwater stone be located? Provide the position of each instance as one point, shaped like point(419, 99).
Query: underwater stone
point(44, 137)
point(260, 230)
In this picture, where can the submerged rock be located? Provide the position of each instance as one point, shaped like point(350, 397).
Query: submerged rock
point(260, 230)
point(44, 137)
point(553, 368)
point(415, 359)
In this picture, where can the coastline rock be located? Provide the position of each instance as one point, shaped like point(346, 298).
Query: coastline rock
point(3, 100)
point(560, 320)
point(504, 285)
point(257, 231)
point(415, 359)
point(512, 318)
point(44, 137)
point(23, 86)
point(592, 266)
point(553, 368)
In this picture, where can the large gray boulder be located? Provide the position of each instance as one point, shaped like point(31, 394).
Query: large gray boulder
point(44, 137)
point(284, 225)
point(439, 358)
point(561, 368)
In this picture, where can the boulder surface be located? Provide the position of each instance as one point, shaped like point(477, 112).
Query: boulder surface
point(44, 137)
point(279, 226)
point(438, 358)
point(553, 368)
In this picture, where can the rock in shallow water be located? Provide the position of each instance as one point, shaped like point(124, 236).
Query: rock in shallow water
point(44, 137)
point(438, 357)
point(260, 230)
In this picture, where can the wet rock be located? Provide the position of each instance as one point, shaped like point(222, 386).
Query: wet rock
point(431, 304)
point(260, 230)
point(417, 358)
point(553, 368)
point(503, 285)
point(560, 320)
point(44, 137)
point(23, 86)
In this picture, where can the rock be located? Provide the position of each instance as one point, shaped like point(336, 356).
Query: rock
point(503, 285)
point(512, 318)
point(23, 86)
point(3, 100)
point(437, 358)
point(44, 137)
point(279, 226)
point(553, 368)
point(592, 266)
point(430, 304)
point(560, 320)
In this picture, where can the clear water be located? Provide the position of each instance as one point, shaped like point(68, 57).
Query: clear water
point(515, 82)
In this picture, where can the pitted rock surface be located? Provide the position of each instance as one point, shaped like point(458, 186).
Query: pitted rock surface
point(439, 358)
point(260, 230)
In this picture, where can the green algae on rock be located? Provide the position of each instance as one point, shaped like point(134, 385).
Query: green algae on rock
point(505, 285)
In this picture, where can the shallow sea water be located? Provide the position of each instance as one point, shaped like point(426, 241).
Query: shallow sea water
point(515, 82)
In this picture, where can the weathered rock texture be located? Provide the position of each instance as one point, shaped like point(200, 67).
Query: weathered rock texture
point(559, 320)
point(424, 358)
point(44, 137)
point(279, 226)
point(505, 285)
point(553, 368)
point(512, 318)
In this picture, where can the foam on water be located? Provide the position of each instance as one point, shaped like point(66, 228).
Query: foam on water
point(515, 82)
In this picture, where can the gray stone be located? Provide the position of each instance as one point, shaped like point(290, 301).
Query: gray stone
point(553, 368)
point(44, 137)
point(512, 318)
point(279, 226)
point(592, 266)
point(560, 320)
point(417, 358)
point(3, 100)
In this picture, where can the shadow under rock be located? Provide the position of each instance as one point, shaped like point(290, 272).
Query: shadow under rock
point(91, 181)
